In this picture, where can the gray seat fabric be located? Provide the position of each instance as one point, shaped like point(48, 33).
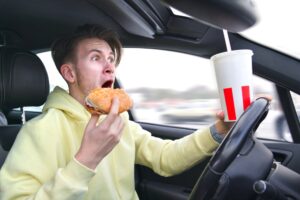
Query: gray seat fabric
point(3, 153)
point(23, 82)
point(3, 120)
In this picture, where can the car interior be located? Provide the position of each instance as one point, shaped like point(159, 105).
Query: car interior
point(243, 167)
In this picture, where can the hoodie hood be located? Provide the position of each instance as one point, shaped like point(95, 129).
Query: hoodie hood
point(60, 99)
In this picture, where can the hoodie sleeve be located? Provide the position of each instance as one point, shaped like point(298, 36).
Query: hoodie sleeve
point(51, 177)
point(167, 157)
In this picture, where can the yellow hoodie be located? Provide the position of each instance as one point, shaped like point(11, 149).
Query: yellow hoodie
point(41, 163)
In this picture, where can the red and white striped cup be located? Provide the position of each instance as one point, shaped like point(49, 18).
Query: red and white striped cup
point(233, 71)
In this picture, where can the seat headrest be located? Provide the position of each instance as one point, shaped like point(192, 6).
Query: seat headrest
point(23, 79)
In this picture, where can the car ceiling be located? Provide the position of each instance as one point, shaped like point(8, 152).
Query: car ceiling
point(34, 24)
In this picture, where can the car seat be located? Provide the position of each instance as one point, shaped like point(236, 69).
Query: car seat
point(23, 82)
point(3, 120)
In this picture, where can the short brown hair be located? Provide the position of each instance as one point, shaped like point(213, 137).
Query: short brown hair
point(63, 49)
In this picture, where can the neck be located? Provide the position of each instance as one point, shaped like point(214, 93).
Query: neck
point(76, 94)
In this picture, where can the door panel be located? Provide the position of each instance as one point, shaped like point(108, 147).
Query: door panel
point(286, 153)
point(151, 186)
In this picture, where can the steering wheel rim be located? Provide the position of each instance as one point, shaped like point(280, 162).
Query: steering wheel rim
point(229, 149)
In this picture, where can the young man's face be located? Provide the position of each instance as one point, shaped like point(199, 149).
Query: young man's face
point(95, 65)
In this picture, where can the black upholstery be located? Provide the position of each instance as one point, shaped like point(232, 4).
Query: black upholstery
point(23, 79)
point(23, 82)
point(8, 135)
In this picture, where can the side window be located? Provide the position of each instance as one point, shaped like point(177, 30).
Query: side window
point(55, 78)
point(177, 89)
point(296, 100)
point(169, 88)
point(284, 129)
point(273, 126)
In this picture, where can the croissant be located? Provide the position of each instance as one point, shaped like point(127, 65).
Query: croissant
point(99, 100)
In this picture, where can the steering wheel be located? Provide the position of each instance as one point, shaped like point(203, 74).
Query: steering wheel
point(235, 141)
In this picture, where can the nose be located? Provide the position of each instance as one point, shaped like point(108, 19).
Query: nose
point(109, 68)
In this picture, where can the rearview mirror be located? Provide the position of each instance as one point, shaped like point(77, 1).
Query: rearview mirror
point(232, 15)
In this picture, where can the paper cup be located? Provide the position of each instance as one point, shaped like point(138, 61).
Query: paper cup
point(233, 71)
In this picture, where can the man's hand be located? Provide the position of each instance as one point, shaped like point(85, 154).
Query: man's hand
point(223, 127)
point(99, 140)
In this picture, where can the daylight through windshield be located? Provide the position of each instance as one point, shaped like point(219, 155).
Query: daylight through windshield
point(278, 26)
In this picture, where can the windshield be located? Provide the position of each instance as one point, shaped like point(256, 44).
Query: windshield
point(278, 26)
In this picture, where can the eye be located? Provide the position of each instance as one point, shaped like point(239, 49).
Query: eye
point(111, 59)
point(95, 58)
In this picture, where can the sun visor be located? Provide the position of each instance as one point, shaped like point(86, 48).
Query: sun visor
point(232, 15)
point(126, 16)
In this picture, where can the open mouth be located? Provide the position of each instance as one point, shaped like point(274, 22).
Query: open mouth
point(107, 84)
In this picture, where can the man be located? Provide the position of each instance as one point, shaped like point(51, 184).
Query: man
point(65, 153)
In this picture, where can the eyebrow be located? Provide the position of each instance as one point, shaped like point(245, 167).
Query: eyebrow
point(99, 51)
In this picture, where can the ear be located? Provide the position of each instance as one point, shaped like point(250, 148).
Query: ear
point(68, 73)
